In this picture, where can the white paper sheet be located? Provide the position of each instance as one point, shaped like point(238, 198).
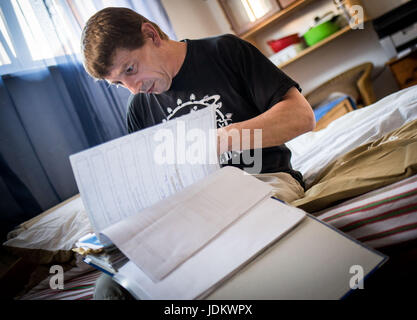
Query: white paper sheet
point(161, 237)
point(201, 273)
point(121, 177)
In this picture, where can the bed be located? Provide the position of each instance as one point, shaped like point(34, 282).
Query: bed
point(378, 208)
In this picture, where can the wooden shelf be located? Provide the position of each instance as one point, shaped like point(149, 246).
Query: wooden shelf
point(318, 45)
point(280, 14)
point(275, 18)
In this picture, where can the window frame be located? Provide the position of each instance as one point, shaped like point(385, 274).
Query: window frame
point(23, 60)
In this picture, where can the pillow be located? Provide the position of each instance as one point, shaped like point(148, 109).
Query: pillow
point(50, 237)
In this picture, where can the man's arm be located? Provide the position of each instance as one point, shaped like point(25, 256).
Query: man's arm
point(284, 121)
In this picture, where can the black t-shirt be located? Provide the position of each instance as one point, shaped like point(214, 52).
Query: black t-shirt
point(234, 76)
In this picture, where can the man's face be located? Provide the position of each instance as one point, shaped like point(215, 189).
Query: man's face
point(141, 70)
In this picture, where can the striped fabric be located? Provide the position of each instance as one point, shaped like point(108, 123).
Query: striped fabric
point(379, 218)
point(78, 288)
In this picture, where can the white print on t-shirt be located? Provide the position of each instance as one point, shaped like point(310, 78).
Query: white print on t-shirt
point(194, 105)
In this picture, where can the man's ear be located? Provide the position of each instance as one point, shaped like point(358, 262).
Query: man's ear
point(149, 31)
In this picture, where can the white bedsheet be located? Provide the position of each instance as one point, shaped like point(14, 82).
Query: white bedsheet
point(313, 151)
point(60, 229)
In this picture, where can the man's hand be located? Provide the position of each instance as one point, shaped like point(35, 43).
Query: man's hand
point(284, 121)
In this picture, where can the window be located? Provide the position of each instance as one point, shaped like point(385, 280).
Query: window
point(35, 32)
point(5, 37)
point(244, 14)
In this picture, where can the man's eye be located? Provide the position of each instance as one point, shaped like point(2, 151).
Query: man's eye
point(129, 70)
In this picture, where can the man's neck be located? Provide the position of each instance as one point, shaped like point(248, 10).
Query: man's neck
point(175, 53)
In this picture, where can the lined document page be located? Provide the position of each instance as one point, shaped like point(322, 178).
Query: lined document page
point(160, 238)
point(122, 177)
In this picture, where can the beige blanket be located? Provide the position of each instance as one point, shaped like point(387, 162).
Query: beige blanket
point(370, 166)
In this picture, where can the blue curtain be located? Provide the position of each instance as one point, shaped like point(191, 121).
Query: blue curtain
point(47, 113)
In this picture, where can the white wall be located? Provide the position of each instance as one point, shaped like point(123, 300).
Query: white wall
point(347, 51)
point(376, 8)
point(192, 19)
point(203, 18)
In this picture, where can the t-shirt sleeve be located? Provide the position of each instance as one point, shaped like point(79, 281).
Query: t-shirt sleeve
point(265, 82)
point(133, 120)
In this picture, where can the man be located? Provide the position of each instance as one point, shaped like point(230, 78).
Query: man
point(170, 78)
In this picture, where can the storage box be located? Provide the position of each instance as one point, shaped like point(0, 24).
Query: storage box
point(287, 54)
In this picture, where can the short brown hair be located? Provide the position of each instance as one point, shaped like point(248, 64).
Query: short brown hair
point(107, 30)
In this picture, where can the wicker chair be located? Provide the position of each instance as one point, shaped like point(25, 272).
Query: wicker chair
point(355, 82)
